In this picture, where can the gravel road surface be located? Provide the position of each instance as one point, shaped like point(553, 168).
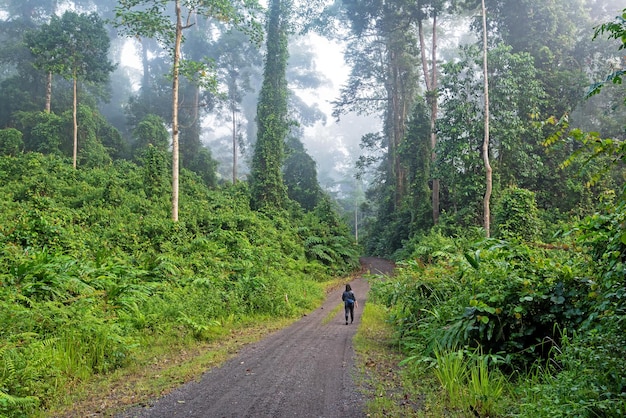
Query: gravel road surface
point(305, 370)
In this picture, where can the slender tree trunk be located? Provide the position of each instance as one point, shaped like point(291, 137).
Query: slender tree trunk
point(390, 116)
point(234, 110)
point(145, 62)
point(430, 79)
point(193, 144)
point(399, 122)
point(399, 98)
point(433, 120)
point(48, 92)
point(175, 75)
point(356, 220)
point(488, 171)
point(75, 120)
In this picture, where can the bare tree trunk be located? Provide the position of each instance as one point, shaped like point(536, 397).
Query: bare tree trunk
point(145, 84)
point(234, 144)
point(356, 221)
point(175, 75)
point(488, 171)
point(399, 100)
point(388, 124)
point(433, 120)
point(430, 79)
point(75, 121)
point(392, 119)
point(48, 92)
point(194, 143)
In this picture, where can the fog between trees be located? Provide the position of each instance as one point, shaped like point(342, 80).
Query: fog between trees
point(364, 118)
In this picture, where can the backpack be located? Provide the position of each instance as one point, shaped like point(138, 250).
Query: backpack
point(348, 298)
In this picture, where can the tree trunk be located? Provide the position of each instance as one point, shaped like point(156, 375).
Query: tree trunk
point(399, 99)
point(389, 126)
point(356, 220)
point(145, 62)
point(75, 120)
point(234, 110)
point(267, 187)
point(430, 79)
point(48, 92)
point(175, 75)
point(194, 143)
point(488, 171)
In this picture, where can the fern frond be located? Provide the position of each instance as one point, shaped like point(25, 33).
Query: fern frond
point(25, 401)
point(313, 240)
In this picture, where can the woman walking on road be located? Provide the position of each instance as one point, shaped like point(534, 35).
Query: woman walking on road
point(350, 303)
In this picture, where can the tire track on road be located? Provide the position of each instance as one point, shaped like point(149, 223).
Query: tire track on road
point(304, 370)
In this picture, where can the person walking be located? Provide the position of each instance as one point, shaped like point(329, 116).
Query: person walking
point(349, 301)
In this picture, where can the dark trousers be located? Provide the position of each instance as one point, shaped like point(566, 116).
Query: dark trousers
point(349, 311)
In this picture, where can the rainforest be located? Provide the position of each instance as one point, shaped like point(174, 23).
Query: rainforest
point(176, 182)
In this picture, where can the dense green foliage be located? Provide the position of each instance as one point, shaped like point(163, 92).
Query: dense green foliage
point(266, 181)
point(73, 46)
point(300, 175)
point(93, 269)
point(516, 215)
point(530, 323)
point(540, 60)
point(551, 317)
point(11, 142)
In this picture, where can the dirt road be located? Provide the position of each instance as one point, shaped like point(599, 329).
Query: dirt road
point(305, 370)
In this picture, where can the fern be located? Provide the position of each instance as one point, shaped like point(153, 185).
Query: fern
point(8, 379)
point(199, 330)
point(21, 402)
point(312, 240)
point(322, 253)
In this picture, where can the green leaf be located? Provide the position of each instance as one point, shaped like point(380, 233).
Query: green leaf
point(474, 259)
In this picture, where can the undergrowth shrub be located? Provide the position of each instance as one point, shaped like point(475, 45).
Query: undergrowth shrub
point(92, 270)
point(502, 297)
point(587, 379)
point(553, 314)
point(516, 215)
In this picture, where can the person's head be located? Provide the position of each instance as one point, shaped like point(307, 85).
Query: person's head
point(348, 288)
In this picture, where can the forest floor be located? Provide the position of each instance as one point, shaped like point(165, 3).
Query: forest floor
point(306, 370)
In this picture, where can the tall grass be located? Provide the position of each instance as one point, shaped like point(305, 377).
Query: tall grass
point(469, 383)
point(451, 371)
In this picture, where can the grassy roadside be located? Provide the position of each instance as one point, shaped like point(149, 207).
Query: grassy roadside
point(392, 390)
point(158, 370)
point(163, 366)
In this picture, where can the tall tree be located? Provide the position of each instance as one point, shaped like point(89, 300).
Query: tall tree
point(300, 174)
point(194, 155)
point(237, 64)
point(76, 47)
point(485, 149)
point(383, 76)
point(514, 94)
point(151, 19)
point(431, 9)
point(268, 191)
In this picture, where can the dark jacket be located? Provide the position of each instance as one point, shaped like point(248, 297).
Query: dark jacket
point(348, 296)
